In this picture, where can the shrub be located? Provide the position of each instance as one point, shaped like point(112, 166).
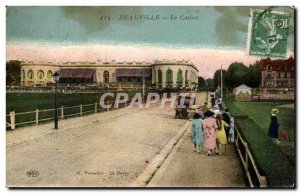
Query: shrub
point(270, 160)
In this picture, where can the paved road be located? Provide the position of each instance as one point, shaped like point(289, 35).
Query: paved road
point(103, 150)
point(186, 168)
point(113, 149)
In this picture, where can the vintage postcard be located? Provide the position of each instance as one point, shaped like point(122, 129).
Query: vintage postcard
point(150, 97)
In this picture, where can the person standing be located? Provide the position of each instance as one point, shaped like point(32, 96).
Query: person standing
point(220, 134)
point(274, 126)
point(213, 101)
point(210, 126)
point(226, 117)
point(197, 132)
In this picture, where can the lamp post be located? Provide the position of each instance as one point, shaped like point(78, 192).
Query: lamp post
point(206, 83)
point(143, 85)
point(56, 79)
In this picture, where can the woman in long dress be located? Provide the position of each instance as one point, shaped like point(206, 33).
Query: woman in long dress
point(210, 126)
point(221, 134)
point(274, 126)
point(197, 132)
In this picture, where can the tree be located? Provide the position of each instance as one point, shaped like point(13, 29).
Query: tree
point(237, 74)
point(253, 76)
point(210, 84)
point(13, 72)
point(217, 77)
point(201, 83)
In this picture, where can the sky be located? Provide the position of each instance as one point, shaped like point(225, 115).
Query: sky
point(213, 36)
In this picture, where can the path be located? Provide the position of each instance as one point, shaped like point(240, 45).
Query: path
point(113, 149)
point(96, 151)
point(186, 168)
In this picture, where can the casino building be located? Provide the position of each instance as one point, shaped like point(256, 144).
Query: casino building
point(161, 74)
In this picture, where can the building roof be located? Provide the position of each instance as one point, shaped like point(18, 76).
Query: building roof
point(76, 73)
point(277, 65)
point(242, 89)
point(126, 72)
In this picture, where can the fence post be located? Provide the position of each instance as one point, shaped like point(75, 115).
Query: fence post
point(37, 116)
point(62, 112)
point(263, 181)
point(80, 109)
point(237, 141)
point(12, 120)
point(95, 107)
point(246, 157)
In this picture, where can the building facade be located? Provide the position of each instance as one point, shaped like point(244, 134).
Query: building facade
point(277, 73)
point(161, 74)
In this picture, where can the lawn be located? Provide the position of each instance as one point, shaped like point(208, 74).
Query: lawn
point(22, 102)
point(252, 119)
point(260, 113)
point(25, 102)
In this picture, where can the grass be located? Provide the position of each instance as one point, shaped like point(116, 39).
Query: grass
point(252, 120)
point(271, 161)
point(260, 112)
point(25, 102)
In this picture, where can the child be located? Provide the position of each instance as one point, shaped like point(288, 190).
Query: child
point(197, 132)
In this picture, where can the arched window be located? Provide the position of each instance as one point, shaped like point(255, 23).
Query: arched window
point(106, 76)
point(40, 75)
point(30, 75)
point(169, 77)
point(186, 77)
point(179, 76)
point(159, 74)
point(23, 75)
point(49, 75)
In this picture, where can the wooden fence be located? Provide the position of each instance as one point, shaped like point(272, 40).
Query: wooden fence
point(37, 116)
point(253, 175)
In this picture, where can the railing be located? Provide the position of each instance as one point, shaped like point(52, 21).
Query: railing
point(37, 116)
point(253, 175)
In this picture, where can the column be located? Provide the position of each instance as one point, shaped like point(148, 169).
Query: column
point(154, 80)
point(174, 77)
point(163, 77)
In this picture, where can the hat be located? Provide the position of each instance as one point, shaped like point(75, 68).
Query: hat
point(275, 110)
point(208, 114)
point(216, 111)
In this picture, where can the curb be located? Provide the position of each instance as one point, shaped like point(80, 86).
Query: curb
point(144, 178)
point(160, 172)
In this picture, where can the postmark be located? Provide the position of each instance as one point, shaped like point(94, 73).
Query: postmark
point(268, 33)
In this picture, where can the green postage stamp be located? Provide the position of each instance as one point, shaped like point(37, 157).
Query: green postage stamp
point(268, 33)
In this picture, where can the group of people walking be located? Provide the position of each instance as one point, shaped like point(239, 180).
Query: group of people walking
point(211, 128)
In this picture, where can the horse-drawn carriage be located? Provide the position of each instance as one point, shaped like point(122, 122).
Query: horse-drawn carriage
point(183, 111)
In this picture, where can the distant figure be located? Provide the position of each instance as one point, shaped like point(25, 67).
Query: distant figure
point(197, 132)
point(230, 135)
point(212, 100)
point(274, 126)
point(221, 134)
point(210, 127)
